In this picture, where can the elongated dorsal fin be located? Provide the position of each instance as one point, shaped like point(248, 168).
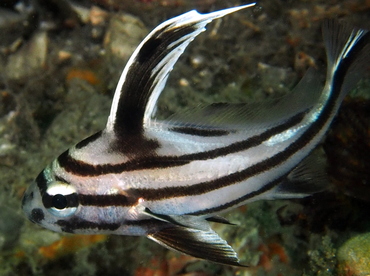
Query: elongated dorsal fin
point(146, 72)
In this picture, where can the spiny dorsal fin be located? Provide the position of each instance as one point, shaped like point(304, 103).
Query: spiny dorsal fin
point(146, 72)
point(197, 243)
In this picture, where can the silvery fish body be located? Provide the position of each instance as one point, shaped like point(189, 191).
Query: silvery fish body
point(167, 179)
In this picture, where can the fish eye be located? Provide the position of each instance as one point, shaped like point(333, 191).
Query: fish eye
point(60, 199)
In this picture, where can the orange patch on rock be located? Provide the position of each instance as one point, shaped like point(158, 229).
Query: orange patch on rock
point(268, 252)
point(83, 74)
point(68, 245)
point(157, 267)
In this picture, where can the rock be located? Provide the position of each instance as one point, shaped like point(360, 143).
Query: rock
point(98, 16)
point(275, 79)
point(354, 256)
point(84, 114)
point(10, 225)
point(15, 27)
point(124, 33)
point(30, 59)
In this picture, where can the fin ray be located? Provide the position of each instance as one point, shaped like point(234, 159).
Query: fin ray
point(348, 54)
point(186, 221)
point(146, 72)
point(253, 115)
point(200, 244)
point(307, 178)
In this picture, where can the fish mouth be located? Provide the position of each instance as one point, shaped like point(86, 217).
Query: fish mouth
point(27, 197)
point(36, 215)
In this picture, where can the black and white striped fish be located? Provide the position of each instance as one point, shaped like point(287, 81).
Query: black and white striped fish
point(167, 179)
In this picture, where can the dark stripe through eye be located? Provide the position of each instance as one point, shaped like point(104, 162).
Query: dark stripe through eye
point(59, 201)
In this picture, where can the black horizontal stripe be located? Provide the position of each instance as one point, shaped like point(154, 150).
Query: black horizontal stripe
point(240, 200)
point(205, 187)
point(122, 201)
point(106, 200)
point(200, 131)
point(76, 224)
point(84, 169)
point(81, 168)
point(260, 167)
point(279, 158)
point(304, 139)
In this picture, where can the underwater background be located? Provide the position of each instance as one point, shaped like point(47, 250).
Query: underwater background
point(59, 64)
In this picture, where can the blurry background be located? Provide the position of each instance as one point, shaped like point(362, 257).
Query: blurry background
point(59, 64)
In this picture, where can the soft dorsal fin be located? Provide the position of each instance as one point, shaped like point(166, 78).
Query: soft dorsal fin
point(146, 72)
point(246, 116)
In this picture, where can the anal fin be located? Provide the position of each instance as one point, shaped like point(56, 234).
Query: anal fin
point(206, 245)
point(307, 178)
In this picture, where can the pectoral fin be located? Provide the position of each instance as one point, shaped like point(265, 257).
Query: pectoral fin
point(182, 221)
point(219, 219)
point(197, 243)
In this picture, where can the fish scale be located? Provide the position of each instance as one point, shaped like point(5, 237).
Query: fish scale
point(166, 179)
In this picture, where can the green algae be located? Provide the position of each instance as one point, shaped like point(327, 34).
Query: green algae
point(354, 256)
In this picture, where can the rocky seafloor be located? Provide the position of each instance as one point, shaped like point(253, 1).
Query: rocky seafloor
point(59, 65)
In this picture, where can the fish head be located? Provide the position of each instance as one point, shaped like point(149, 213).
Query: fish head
point(49, 202)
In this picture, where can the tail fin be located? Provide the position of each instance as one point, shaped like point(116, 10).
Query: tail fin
point(348, 53)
